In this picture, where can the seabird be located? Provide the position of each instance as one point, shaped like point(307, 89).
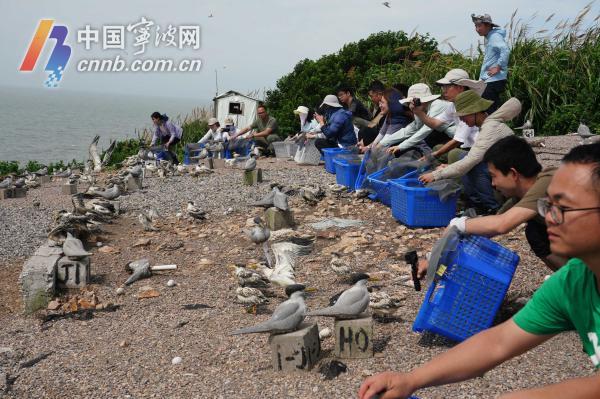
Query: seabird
point(286, 317)
point(195, 212)
point(259, 234)
point(146, 221)
point(351, 303)
point(73, 247)
point(250, 163)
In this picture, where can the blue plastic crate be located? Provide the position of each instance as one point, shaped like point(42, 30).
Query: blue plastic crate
point(329, 155)
point(417, 206)
point(346, 172)
point(468, 290)
point(382, 187)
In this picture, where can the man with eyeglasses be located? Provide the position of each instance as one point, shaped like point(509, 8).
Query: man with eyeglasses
point(569, 300)
point(517, 174)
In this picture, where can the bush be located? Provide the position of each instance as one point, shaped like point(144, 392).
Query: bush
point(8, 167)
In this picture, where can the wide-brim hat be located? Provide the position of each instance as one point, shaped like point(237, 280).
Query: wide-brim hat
point(332, 101)
point(301, 110)
point(212, 121)
point(468, 102)
point(452, 76)
point(420, 91)
point(228, 121)
point(483, 19)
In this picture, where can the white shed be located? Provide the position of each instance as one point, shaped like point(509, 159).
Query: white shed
point(236, 105)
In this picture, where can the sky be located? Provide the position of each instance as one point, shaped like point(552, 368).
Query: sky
point(250, 44)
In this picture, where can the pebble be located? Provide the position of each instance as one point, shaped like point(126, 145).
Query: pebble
point(120, 291)
point(171, 283)
point(176, 360)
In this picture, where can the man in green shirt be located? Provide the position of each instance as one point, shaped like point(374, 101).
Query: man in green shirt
point(266, 130)
point(569, 300)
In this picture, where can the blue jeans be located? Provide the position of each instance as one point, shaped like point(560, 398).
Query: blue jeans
point(477, 185)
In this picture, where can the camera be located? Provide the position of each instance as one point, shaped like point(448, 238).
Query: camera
point(416, 102)
point(226, 129)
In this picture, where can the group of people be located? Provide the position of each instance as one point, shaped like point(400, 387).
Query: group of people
point(463, 131)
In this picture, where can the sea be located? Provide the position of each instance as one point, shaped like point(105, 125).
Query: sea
point(58, 125)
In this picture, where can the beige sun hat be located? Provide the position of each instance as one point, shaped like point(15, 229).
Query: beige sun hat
point(212, 121)
point(229, 121)
point(460, 77)
point(483, 19)
point(420, 91)
point(332, 101)
point(301, 110)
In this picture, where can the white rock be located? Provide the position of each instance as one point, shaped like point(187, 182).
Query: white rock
point(176, 360)
point(98, 244)
point(171, 283)
point(120, 291)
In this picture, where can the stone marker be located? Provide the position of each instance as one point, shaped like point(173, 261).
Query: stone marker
point(6, 193)
point(252, 177)
point(218, 163)
point(298, 350)
point(19, 192)
point(45, 179)
point(277, 219)
point(353, 338)
point(69, 188)
point(133, 183)
point(73, 273)
point(37, 281)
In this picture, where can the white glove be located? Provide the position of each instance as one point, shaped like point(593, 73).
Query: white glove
point(460, 223)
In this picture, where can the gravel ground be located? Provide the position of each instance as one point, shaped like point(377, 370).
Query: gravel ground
point(127, 353)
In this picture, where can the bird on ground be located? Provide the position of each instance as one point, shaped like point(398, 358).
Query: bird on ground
point(280, 200)
point(351, 303)
point(6, 183)
point(73, 247)
point(266, 201)
point(526, 125)
point(259, 234)
point(109, 194)
point(584, 132)
point(32, 181)
point(20, 182)
point(340, 266)
point(146, 222)
point(136, 171)
point(250, 163)
point(286, 317)
point(64, 173)
point(381, 303)
point(337, 188)
point(153, 214)
point(286, 254)
point(312, 195)
point(387, 4)
point(41, 172)
point(252, 297)
point(249, 278)
point(195, 212)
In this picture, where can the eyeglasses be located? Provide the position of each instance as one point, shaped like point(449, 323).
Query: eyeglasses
point(557, 212)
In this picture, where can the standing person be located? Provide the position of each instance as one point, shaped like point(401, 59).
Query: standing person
point(494, 70)
point(368, 133)
point(168, 133)
point(568, 301)
point(360, 113)
point(335, 124)
point(266, 130)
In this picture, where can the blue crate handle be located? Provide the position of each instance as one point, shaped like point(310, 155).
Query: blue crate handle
point(362, 172)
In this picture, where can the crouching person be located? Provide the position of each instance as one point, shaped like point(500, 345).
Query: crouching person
point(569, 300)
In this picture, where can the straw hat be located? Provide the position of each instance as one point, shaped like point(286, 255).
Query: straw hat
point(468, 102)
point(212, 121)
point(229, 121)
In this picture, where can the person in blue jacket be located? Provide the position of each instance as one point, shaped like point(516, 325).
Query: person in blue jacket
point(494, 70)
point(336, 125)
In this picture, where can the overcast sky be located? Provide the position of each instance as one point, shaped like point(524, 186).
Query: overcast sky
point(250, 43)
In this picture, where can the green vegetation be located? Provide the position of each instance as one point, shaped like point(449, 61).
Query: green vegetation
point(555, 72)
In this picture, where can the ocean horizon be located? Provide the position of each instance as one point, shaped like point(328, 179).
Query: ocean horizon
point(59, 126)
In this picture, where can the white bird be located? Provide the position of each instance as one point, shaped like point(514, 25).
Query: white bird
point(64, 173)
point(109, 194)
point(146, 222)
point(6, 183)
point(526, 125)
point(250, 163)
point(584, 132)
point(73, 247)
point(286, 317)
point(259, 234)
point(286, 254)
point(194, 211)
point(249, 278)
point(351, 302)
